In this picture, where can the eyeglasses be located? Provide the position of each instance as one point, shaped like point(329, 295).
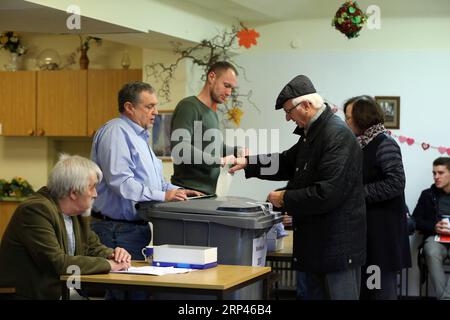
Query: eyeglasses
point(292, 109)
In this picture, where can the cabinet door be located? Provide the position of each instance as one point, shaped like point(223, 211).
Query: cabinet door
point(7, 209)
point(17, 103)
point(62, 103)
point(103, 87)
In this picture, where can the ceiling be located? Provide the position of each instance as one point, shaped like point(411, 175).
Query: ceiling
point(23, 16)
point(268, 11)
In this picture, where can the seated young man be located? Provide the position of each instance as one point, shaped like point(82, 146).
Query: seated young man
point(431, 219)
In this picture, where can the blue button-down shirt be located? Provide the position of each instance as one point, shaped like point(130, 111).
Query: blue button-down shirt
point(131, 171)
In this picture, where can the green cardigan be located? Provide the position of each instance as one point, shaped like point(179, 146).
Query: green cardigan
point(201, 176)
point(34, 253)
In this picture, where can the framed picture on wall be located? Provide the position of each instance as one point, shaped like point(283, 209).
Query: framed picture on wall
point(391, 109)
point(161, 134)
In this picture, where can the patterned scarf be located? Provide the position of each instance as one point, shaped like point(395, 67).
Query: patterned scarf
point(370, 134)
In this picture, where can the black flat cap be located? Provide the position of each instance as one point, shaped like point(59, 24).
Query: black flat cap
point(297, 87)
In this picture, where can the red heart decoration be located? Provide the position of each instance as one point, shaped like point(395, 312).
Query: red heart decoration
point(448, 151)
point(425, 146)
point(442, 150)
point(410, 141)
point(402, 139)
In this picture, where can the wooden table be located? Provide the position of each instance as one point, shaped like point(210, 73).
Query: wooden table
point(280, 262)
point(284, 278)
point(7, 290)
point(284, 254)
point(216, 281)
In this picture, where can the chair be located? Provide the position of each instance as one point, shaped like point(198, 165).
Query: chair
point(423, 270)
point(403, 278)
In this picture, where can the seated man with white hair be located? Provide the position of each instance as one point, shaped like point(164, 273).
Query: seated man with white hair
point(49, 235)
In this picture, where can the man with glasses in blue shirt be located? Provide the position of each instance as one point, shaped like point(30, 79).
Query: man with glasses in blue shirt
point(132, 172)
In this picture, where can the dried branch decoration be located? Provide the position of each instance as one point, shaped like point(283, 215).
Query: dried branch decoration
point(204, 55)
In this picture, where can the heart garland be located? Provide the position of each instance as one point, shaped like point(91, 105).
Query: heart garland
point(402, 139)
point(425, 146)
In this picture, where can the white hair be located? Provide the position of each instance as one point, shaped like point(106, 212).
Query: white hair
point(71, 173)
point(315, 99)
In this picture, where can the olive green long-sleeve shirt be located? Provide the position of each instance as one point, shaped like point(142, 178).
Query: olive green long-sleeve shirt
point(197, 146)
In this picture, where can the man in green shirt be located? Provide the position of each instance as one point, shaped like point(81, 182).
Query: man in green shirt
point(197, 143)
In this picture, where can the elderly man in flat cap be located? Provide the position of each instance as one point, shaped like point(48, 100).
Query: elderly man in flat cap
point(324, 194)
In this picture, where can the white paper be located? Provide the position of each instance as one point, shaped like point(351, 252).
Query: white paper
point(259, 251)
point(224, 182)
point(156, 271)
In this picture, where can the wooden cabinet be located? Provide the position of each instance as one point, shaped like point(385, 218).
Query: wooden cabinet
point(61, 103)
point(18, 103)
point(103, 87)
point(72, 103)
point(7, 209)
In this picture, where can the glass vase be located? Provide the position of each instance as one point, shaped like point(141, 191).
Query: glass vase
point(13, 62)
point(125, 62)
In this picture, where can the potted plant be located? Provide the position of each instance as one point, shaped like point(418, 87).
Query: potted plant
point(19, 187)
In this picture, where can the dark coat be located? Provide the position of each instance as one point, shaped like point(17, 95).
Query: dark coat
point(324, 195)
point(426, 211)
point(34, 249)
point(384, 183)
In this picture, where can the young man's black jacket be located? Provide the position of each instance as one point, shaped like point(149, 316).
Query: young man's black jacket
point(426, 211)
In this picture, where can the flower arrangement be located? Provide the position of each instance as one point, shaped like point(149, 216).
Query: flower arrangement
point(83, 48)
point(4, 188)
point(18, 187)
point(349, 19)
point(10, 41)
point(85, 45)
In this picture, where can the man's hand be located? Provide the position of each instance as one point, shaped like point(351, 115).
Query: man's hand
point(227, 160)
point(287, 220)
point(175, 195)
point(242, 152)
point(120, 255)
point(193, 193)
point(117, 266)
point(442, 228)
point(239, 164)
point(276, 198)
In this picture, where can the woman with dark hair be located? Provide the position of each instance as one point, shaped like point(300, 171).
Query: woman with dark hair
point(384, 185)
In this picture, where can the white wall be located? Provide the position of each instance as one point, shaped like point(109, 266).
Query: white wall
point(409, 58)
point(177, 87)
point(420, 79)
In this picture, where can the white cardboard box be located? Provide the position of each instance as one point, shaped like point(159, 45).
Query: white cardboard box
point(185, 254)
